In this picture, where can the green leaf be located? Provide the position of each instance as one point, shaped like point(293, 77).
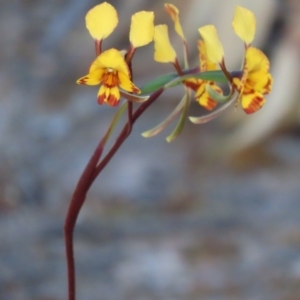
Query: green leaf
point(217, 76)
point(115, 121)
point(157, 83)
point(157, 129)
point(182, 119)
point(172, 79)
point(217, 96)
point(134, 97)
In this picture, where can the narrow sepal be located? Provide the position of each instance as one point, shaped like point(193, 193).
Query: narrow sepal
point(134, 97)
point(179, 127)
point(114, 122)
point(160, 127)
point(220, 98)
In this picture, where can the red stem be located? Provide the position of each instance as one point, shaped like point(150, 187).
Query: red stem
point(98, 47)
point(88, 176)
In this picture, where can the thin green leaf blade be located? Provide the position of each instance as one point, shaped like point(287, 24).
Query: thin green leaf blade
point(183, 116)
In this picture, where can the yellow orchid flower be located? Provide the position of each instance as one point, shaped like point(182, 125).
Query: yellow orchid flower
point(111, 71)
point(244, 24)
point(101, 21)
point(202, 96)
point(256, 80)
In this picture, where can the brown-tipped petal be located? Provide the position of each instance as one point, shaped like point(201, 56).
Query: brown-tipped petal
point(114, 97)
point(252, 101)
point(111, 96)
point(204, 98)
point(126, 84)
point(93, 78)
point(207, 102)
point(102, 94)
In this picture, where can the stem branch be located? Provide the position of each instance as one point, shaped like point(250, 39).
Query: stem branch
point(90, 173)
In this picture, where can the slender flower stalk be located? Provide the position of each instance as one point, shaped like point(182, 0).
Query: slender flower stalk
point(90, 173)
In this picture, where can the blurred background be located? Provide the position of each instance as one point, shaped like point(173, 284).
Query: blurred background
point(212, 216)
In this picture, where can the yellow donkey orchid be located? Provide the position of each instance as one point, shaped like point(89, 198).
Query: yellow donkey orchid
point(111, 67)
point(202, 96)
point(111, 71)
point(256, 81)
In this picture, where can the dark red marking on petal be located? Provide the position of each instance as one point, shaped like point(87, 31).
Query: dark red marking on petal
point(211, 104)
point(101, 99)
point(82, 80)
point(110, 79)
point(135, 90)
point(192, 85)
point(112, 100)
point(255, 105)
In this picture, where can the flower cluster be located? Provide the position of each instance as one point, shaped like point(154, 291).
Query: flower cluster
point(256, 81)
point(112, 68)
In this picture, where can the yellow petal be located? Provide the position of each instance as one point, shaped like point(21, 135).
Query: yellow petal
point(244, 24)
point(206, 101)
point(202, 56)
point(260, 82)
point(173, 12)
point(111, 96)
point(126, 84)
point(114, 96)
point(259, 77)
point(92, 78)
point(266, 86)
point(163, 50)
point(256, 60)
point(111, 59)
point(200, 90)
point(101, 20)
point(203, 97)
point(141, 28)
point(252, 101)
point(205, 64)
point(214, 48)
point(102, 94)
